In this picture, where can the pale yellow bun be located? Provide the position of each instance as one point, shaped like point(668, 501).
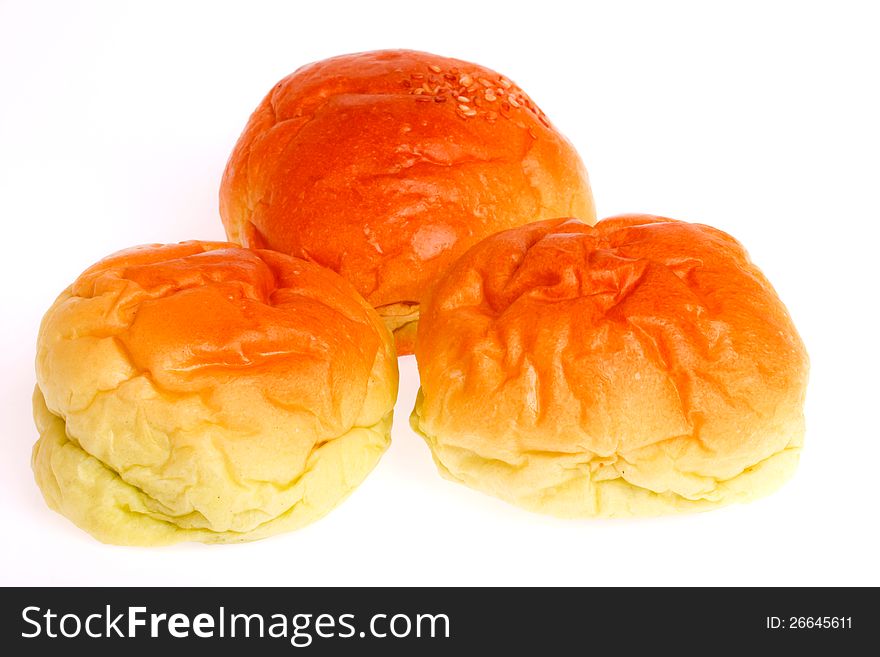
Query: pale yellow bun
point(639, 367)
point(205, 392)
point(386, 166)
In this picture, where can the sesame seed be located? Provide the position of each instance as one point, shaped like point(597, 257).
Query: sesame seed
point(512, 101)
point(463, 99)
point(505, 83)
point(418, 90)
point(417, 76)
point(491, 115)
point(544, 121)
point(491, 97)
point(532, 134)
point(466, 80)
point(485, 82)
point(435, 68)
point(426, 87)
point(464, 108)
point(472, 112)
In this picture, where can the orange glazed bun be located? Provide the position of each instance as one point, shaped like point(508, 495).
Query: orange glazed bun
point(638, 367)
point(205, 392)
point(386, 166)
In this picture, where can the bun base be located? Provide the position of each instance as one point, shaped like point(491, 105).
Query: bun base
point(574, 486)
point(402, 320)
point(100, 501)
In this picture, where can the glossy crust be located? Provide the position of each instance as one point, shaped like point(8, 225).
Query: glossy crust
point(205, 392)
point(638, 367)
point(386, 166)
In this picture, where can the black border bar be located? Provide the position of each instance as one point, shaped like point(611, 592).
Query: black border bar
point(541, 621)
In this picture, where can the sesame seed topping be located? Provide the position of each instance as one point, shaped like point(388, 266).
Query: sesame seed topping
point(471, 94)
point(532, 134)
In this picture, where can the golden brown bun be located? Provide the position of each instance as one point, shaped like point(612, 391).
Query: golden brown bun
point(641, 366)
point(386, 166)
point(205, 392)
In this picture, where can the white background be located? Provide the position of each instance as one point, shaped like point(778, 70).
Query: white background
point(759, 118)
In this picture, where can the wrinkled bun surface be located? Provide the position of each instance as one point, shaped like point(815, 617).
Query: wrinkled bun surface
point(205, 392)
point(386, 166)
point(638, 367)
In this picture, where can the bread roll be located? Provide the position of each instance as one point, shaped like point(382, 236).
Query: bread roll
point(205, 392)
point(642, 366)
point(386, 166)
